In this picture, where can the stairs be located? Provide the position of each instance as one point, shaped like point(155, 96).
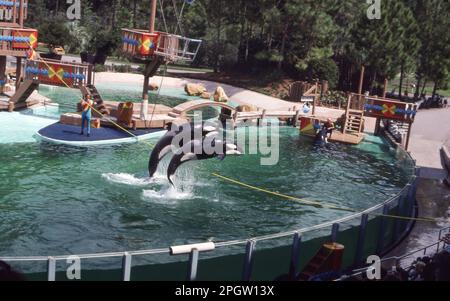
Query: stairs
point(316, 264)
point(353, 121)
point(25, 90)
point(98, 101)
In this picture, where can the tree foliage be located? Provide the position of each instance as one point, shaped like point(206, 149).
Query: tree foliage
point(309, 40)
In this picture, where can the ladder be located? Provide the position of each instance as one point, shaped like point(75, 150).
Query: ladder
point(353, 121)
point(99, 104)
point(316, 264)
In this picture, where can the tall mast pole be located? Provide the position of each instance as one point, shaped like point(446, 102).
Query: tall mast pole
point(144, 106)
point(153, 15)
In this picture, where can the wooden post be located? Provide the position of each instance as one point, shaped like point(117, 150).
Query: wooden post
point(14, 12)
point(21, 12)
point(263, 116)
point(3, 76)
point(147, 67)
point(314, 107)
point(153, 15)
point(377, 126)
point(89, 75)
point(297, 116)
point(18, 71)
point(11, 106)
point(361, 80)
point(408, 136)
point(385, 87)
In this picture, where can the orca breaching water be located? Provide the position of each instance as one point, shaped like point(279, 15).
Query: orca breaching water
point(191, 149)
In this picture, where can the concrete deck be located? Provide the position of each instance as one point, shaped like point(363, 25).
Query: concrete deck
point(430, 131)
point(433, 199)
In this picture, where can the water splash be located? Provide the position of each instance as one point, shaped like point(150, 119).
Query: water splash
point(166, 194)
point(127, 179)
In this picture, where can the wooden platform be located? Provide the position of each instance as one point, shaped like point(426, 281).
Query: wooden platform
point(59, 133)
point(152, 108)
point(347, 138)
point(4, 105)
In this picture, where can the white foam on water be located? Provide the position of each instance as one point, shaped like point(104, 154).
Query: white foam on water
point(127, 179)
point(166, 195)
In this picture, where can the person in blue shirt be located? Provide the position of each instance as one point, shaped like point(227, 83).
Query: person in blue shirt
point(86, 114)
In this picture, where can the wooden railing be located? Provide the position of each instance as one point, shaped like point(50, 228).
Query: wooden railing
point(383, 107)
point(16, 41)
point(14, 12)
point(57, 73)
point(177, 48)
point(139, 43)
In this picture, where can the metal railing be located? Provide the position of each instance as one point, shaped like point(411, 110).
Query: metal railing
point(398, 260)
point(403, 204)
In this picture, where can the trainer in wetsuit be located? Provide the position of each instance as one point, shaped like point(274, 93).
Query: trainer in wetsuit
point(329, 125)
point(86, 114)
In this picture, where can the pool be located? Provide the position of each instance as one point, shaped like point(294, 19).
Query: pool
point(58, 200)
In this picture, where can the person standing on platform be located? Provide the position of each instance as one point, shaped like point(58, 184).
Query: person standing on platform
point(86, 115)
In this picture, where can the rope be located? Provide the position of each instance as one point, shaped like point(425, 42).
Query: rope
point(163, 15)
point(179, 18)
point(419, 219)
point(313, 203)
point(159, 93)
point(292, 198)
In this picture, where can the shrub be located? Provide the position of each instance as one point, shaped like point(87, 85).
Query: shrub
point(334, 99)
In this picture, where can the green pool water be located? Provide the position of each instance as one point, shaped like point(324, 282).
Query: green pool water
point(57, 200)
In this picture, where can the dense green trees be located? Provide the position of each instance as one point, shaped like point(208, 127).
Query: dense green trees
point(324, 39)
